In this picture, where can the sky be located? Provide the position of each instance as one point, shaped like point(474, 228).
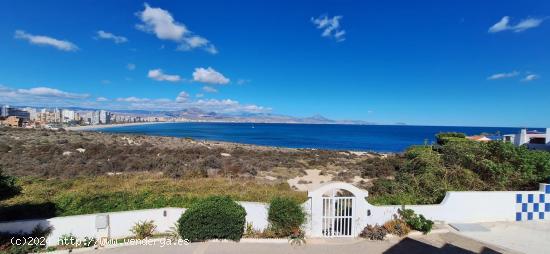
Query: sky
point(461, 63)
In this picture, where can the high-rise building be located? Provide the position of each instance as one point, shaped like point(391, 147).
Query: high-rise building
point(4, 111)
point(104, 117)
point(95, 118)
point(67, 115)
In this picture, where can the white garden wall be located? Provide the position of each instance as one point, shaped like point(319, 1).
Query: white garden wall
point(120, 223)
point(464, 207)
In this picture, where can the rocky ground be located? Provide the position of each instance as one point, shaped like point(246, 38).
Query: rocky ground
point(67, 154)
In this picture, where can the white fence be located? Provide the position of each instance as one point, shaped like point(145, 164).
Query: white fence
point(464, 207)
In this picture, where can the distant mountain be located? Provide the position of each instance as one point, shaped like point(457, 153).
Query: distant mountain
point(198, 114)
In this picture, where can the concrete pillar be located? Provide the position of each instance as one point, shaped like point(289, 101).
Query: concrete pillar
point(522, 137)
point(548, 136)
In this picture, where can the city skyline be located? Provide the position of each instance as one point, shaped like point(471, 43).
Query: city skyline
point(428, 63)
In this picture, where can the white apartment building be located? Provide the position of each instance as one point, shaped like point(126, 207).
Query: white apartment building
point(532, 139)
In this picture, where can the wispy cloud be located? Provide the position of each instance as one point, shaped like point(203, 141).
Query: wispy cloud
point(503, 75)
point(45, 41)
point(530, 77)
point(109, 36)
point(159, 75)
point(51, 97)
point(330, 26)
point(209, 89)
point(51, 92)
point(243, 81)
point(161, 23)
point(182, 97)
point(209, 75)
point(504, 25)
point(131, 66)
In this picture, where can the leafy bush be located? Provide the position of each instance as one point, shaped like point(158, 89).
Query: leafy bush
point(216, 217)
point(397, 227)
point(89, 241)
point(68, 241)
point(144, 229)
point(375, 232)
point(285, 215)
point(8, 186)
point(443, 137)
point(37, 232)
point(416, 222)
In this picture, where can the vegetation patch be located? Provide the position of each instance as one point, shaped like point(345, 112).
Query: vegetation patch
point(215, 217)
point(43, 198)
point(285, 216)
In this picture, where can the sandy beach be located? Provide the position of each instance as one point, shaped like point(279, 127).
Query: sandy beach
point(105, 126)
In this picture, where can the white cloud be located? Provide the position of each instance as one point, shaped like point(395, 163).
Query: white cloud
point(209, 89)
point(45, 41)
point(105, 82)
point(131, 66)
point(504, 25)
point(132, 99)
point(158, 75)
point(50, 97)
point(165, 27)
point(51, 92)
point(182, 97)
point(243, 81)
point(199, 95)
point(209, 75)
point(229, 106)
point(109, 36)
point(530, 77)
point(503, 75)
point(330, 26)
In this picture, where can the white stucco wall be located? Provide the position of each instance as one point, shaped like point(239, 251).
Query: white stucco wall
point(120, 223)
point(465, 207)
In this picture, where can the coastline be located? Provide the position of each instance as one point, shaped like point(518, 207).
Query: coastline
point(106, 126)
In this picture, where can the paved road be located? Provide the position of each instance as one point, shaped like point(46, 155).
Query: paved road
point(526, 236)
point(434, 243)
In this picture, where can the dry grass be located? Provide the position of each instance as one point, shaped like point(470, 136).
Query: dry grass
point(85, 195)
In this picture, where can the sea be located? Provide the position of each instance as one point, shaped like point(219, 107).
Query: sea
point(374, 138)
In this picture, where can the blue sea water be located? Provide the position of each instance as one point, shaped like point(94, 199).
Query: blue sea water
point(379, 138)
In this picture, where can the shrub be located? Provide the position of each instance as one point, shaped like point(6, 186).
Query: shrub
point(375, 232)
point(67, 240)
point(216, 217)
point(444, 137)
point(397, 227)
point(7, 247)
point(8, 186)
point(416, 222)
point(285, 215)
point(144, 229)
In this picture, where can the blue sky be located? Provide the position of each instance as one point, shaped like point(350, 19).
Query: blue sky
point(478, 63)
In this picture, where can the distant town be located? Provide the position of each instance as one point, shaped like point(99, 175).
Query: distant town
point(30, 117)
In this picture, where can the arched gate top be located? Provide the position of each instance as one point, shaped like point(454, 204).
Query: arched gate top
point(357, 192)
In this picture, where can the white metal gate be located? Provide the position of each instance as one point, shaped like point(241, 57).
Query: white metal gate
point(338, 217)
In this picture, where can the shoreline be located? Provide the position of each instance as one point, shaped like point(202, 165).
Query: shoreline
point(107, 126)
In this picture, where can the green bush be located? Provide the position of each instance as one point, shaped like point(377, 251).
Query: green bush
point(143, 229)
point(415, 221)
point(216, 217)
point(285, 215)
point(8, 186)
point(444, 137)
